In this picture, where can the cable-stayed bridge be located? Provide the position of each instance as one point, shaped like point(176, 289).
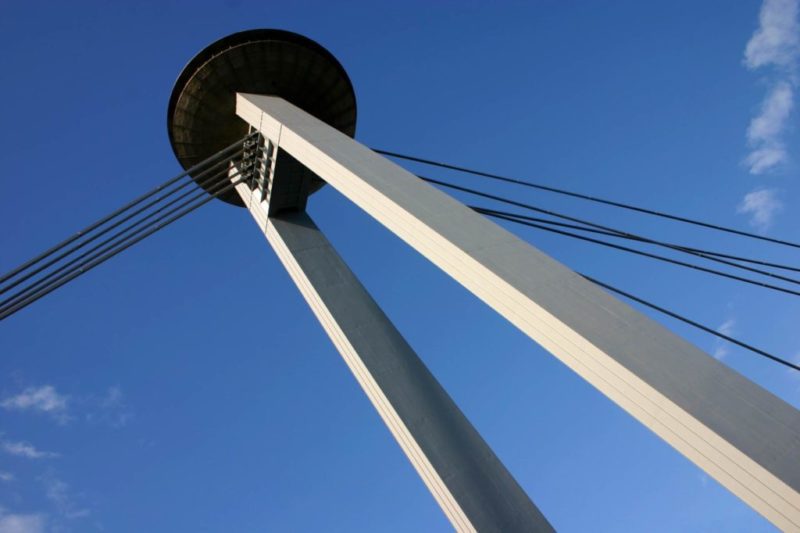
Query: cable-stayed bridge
point(264, 119)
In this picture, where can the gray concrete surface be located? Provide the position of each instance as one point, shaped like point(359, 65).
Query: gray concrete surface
point(739, 433)
point(474, 489)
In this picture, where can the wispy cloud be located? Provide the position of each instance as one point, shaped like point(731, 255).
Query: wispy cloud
point(111, 409)
point(21, 523)
point(44, 399)
point(60, 494)
point(764, 135)
point(774, 45)
point(721, 347)
point(761, 205)
point(777, 39)
point(24, 449)
point(6, 476)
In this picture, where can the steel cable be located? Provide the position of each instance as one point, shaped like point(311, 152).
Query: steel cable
point(582, 196)
point(200, 179)
point(678, 316)
point(122, 209)
point(637, 238)
point(692, 323)
point(32, 287)
point(129, 241)
point(574, 219)
point(651, 255)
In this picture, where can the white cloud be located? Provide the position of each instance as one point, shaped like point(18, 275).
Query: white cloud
point(765, 130)
point(21, 523)
point(762, 159)
point(6, 476)
point(777, 39)
point(43, 399)
point(774, 112)
point(775, 43)
point(721, 351)
point(59, 493)
point(110, 409)
point(721, 347)
point(113, 397)
point(24, 449)
point(762, 205)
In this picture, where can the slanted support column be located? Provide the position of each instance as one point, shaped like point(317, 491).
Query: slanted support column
point(739, 433)
point(473, 488)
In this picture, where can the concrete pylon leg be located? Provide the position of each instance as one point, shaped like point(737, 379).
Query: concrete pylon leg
point(473, 488)
point(739, 433)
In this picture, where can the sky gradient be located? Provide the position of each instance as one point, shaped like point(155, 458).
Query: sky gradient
point(186, 386)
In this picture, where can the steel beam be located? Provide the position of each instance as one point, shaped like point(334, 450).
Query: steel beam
point(473, 488)
point(739, 433)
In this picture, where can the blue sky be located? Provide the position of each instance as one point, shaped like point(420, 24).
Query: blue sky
point(185, 386)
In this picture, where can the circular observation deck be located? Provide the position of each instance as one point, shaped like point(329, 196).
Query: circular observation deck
point(201, 117)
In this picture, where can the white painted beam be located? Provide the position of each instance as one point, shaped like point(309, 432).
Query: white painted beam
point(473, 488)
point(739, 433)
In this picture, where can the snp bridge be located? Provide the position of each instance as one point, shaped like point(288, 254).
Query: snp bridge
point(264, 118)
